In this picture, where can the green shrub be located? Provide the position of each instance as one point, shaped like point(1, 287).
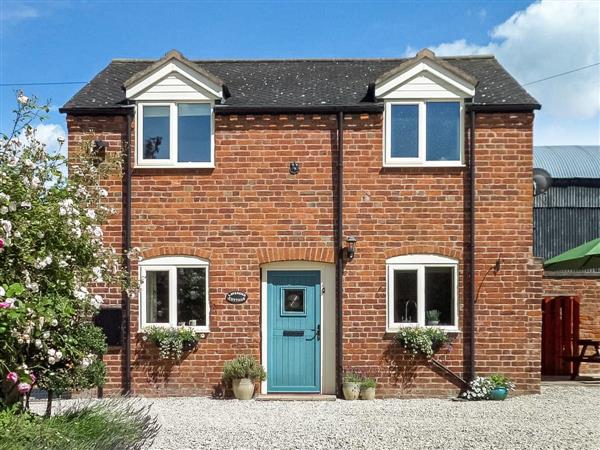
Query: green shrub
point(171, 341)
point(368, 383)
point(103, 425)
point(501, 381)
point(352, 377)
point(422, 341)
point(244, 367)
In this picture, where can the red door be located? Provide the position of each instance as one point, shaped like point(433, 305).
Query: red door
point(560, 333)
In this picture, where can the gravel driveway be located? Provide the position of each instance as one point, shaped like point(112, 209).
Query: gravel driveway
point(561, 417)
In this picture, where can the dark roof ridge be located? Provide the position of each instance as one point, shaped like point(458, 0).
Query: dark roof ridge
point(152, 60)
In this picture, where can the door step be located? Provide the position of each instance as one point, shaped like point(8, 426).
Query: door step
point(295, 398)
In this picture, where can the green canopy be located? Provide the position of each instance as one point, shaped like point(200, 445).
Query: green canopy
point(586, 256)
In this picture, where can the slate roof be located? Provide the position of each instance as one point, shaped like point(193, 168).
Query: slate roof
point(568, 161)
point(303, 83)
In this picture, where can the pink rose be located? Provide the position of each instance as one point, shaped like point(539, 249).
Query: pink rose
point(5, 305)
point(1, 243)
point(23, 388)
point(13, 377)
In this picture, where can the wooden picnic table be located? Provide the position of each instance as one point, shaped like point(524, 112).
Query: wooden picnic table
point(583, 357)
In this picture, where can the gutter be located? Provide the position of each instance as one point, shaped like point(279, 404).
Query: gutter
point(300, 109)
point(472, 371)
point(339, 252)
point(126, 249)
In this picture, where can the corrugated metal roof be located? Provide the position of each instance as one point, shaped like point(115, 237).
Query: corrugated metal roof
point(568, 161)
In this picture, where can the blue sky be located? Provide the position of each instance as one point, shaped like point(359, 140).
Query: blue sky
point(58, 41)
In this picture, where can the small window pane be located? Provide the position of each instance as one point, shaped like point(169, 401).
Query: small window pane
point(293, 301)
point(405, 296)
point(157, 296)
point(404, 133)
point(156, 132)
point(191, 296)
point(194, 127)
point(439, 295)
point(443, 133)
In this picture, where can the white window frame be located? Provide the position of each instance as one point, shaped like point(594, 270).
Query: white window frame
point(418, 263)
point(171, 264)
point(172, 162)
point(421, 159)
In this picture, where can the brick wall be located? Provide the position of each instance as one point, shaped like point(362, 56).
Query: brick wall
point(249, 210)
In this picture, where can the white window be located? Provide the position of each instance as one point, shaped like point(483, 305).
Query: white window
point(174, 292)
point(422, 290)
point(424, 132)
point(175, 134)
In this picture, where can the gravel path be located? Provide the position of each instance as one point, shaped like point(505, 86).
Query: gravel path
point(561, 417)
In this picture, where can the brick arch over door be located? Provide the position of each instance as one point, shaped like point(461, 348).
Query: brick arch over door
point(315, 254)
point(419, 249)
point(172, 250)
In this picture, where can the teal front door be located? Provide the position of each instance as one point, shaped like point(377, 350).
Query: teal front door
point(294, 331)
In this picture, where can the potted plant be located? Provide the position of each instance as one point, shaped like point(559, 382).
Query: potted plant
point(172, 342)
point(351, 385)
point(367, 389)
point(500, 385)
point(243, 372)
point(421, 341)
point(432, 316)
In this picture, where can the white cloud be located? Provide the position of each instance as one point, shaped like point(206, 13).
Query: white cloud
point(547, 38)
point(48, 134)
point(16, 11)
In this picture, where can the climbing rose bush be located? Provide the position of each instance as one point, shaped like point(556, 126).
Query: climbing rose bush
point(51, 253)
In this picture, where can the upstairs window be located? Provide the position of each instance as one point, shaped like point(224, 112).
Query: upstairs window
point(423, 133)
point(422, 290)
point(175, 135)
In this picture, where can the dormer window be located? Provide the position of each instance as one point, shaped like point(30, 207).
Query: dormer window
point(426, 132)
point(175, 134)
point(424, 112)
point(174, 100)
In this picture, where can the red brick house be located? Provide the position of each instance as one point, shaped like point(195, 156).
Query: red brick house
point(256, 176)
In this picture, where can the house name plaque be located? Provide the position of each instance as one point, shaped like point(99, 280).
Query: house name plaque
point(236, 297)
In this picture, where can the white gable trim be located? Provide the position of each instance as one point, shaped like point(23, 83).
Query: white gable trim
point(435, 72)
point(206, 86)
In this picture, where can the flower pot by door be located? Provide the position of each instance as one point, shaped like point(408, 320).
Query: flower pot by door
point(243, 388)
point(351, 390)
point(367, 394)
point(499, 393)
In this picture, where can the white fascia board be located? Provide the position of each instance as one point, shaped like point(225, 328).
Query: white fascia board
point(436, 71)
point(175, 67)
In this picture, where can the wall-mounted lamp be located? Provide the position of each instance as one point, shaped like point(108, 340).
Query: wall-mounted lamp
point(351, 241)
point(294, 168)
point(497, 265)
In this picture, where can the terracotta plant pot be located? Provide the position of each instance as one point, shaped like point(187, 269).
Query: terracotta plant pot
point(499, 393)
point(351, 390)
point(367, 394)
point(243, 388)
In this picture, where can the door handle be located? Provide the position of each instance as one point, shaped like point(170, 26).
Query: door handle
point(317, 335)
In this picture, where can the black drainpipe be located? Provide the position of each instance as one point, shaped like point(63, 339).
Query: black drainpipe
point(126, 248)
point(472, 371)
point(339, 248)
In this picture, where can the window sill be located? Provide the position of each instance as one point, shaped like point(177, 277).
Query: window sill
point(175, 166)
point(446, 328)
point(197, 330)
point(396, 164)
